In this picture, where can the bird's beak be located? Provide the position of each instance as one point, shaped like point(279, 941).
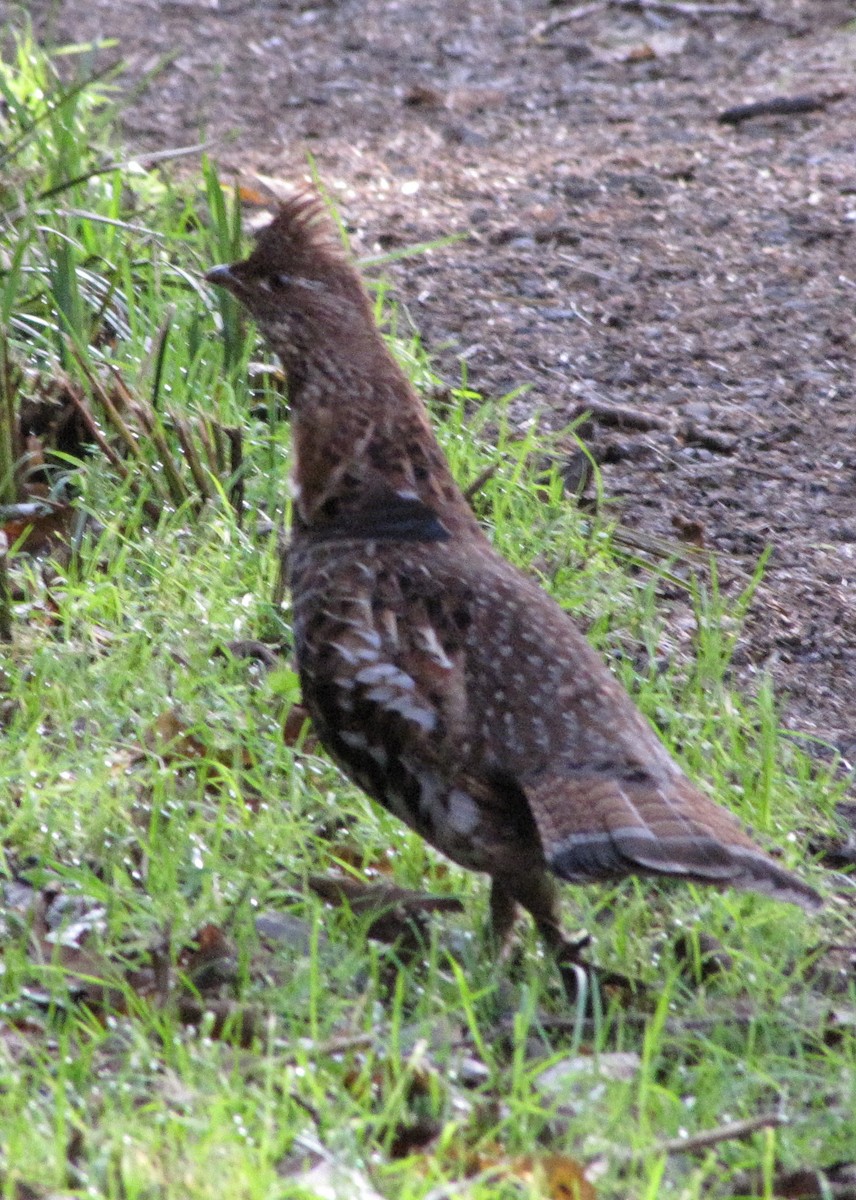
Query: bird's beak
point(223, 277)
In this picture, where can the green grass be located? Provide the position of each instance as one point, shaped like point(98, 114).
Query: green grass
point(147, 792)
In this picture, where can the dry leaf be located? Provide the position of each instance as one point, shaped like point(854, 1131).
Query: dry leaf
point(297, 730)
point(35, 527)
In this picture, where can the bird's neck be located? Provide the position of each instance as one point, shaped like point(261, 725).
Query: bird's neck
point(372, 446)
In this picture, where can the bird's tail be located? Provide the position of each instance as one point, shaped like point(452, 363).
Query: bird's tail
point(595, 826)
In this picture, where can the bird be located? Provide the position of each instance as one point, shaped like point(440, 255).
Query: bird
point(444, 681)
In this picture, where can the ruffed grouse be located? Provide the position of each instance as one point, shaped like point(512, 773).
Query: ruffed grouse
point(449, 685)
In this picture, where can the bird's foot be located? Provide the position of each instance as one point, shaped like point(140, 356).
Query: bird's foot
point(587, 986)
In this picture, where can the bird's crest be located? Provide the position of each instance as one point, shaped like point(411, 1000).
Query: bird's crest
point(301, 239)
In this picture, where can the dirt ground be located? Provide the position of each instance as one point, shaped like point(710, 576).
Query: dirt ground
point(627, 248)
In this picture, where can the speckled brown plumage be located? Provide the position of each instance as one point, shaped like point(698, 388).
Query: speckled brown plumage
point(450, 686)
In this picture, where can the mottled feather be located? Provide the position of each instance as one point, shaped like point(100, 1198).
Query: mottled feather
point(450, 686)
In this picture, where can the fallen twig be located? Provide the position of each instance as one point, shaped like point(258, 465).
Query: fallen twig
point(479, 482)
point(776, 106)
point(729, 1132)
point(543, 28)
point(341, 1045)
point(680, 9)
point(620, 416)
point(375, 897)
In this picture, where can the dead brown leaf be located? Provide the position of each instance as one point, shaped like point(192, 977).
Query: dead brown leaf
point(169, 738)
point(36, 526)
point(297, 730)
point(837, 1182)
point(173, 741)
point(557, 1176)
point(643, 53)
point(211, 961)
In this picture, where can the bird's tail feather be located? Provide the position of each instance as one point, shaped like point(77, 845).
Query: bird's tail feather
point(605, 827)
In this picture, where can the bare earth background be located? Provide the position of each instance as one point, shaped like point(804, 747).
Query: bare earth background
point(627, 248)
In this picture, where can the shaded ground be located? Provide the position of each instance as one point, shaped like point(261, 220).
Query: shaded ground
point(627, 248)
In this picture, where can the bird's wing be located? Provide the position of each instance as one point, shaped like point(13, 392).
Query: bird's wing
point(606, 797)
point(382, 651)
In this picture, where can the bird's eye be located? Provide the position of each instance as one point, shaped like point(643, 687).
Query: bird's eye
point(276, 283)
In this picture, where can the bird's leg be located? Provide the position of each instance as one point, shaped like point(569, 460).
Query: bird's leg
point(503, 914)
point(538, 893)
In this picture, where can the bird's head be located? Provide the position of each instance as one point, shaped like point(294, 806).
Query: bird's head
point(298, 283)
